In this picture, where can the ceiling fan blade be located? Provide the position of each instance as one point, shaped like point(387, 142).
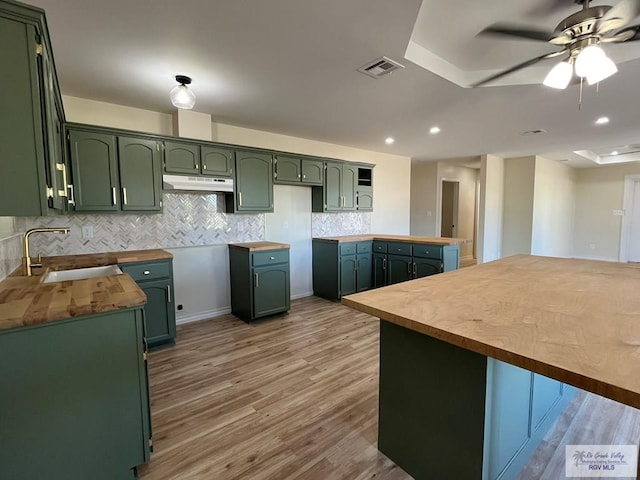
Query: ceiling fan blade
point(520, 66)
point(619, 15)
point(630, 34)
point(517, 31)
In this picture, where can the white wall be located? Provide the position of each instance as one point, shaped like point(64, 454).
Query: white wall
point(391, 176)
point(467, 178)
point(491, 202)
point(599, 191)
point(519, 181)
point(553, 209)
point(424, 200)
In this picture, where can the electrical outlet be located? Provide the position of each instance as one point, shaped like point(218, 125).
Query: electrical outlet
point(618, 213)
point(87, 231)
point(592, 246)
point(429, 213)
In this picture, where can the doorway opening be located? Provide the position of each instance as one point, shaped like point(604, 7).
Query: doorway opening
point(449, 212)
point(630, 234)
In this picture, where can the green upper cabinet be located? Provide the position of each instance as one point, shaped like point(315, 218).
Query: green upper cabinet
point(253, 183)
point(114, 173)
point(95, 171)
point(291, 170)
point(217, 162)
point(140, 175)
point(181, 158)
point(339, 193)
point(30, 101)
point(312, 171)
point(287, 170)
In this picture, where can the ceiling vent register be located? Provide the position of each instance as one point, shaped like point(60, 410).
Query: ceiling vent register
point(380, 67)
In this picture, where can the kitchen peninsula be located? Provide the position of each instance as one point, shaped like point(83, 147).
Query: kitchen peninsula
point(476, 364)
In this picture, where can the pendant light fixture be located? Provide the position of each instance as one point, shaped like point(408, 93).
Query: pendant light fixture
point(181, 96)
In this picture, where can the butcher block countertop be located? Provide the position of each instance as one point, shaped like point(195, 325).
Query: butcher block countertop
point(257, 246)
point(26, 301)
point(395, 238)
point(577, 321)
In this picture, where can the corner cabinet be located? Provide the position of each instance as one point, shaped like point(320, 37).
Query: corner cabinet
point(253, 183)
point(77, 401)
point(347, 187)
point(155, 279)
point(341, 268)
point(113, 173)
point(260, 280)
point(33, 172)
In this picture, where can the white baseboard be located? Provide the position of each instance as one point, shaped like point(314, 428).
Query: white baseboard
point(196, 317)
point(602, 259)
point(301, 295)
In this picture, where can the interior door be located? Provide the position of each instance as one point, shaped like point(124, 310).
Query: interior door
point(634, 240)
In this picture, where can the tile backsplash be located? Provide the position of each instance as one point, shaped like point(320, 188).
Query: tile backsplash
point(186, 220)
point(10, 253)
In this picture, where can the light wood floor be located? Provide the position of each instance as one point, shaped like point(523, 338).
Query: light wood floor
point(295, 397)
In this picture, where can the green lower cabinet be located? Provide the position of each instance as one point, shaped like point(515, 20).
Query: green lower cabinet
point(348, 275)
point(156, 281)
point(341, 268)
point(379, 270)
point(399, 268)
point(364, 269)
point(75, 403)
point(423, 267)
point(260, 282)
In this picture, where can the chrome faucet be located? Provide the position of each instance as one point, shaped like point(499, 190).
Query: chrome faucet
point(26, 259)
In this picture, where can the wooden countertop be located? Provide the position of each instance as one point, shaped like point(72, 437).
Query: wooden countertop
point(577, 321)
point(255, 246)
point(396, 238)
point(26, 301)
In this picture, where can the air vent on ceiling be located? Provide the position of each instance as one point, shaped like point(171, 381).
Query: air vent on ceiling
point(380, 67)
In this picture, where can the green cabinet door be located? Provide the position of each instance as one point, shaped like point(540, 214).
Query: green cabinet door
point(271, 290)
point(286, 170)
point(399, 269)
point(349, 183)
point(159, 314)
point(216, 162)
point(140, 175)
point(333, 187)
point(254, 182)
point(348, 275)
point(364, 276)
point(312, 171)
point(95, 171)
point(379, 270)
point(181, 158)
point(365, 199)
point(546, 393)
point(423, 267)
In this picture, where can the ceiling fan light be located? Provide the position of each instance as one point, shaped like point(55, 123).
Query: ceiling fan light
point(559, 76)
point(605, 69)
point(181, 96)
point(588, 60)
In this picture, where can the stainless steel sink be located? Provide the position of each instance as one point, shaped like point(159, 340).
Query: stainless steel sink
point(81, 273)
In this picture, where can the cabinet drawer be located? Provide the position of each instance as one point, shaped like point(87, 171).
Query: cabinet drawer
point(348, 248)
point(398, 248)
point(147, 271)
point(269, 257)
point(364, 247)
point(428, 251)
point(380, 247)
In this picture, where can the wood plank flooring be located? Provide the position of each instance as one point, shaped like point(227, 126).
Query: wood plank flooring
point(296, 397)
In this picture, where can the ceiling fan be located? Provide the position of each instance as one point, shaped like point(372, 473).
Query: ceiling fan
point(580, 36)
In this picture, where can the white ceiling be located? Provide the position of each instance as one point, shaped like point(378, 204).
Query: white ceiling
point(289, 66)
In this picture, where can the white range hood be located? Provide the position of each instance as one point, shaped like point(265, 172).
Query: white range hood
point(208, 184)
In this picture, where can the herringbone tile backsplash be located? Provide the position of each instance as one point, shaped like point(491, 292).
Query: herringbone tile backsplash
point(10, 253)
point(186, 220)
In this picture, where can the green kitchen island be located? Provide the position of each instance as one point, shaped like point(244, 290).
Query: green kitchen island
point(476, 364)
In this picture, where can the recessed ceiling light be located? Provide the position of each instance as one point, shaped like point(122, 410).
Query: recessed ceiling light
point(434, 130)
point(602, 121)
point(389, 140)
point(615, 152)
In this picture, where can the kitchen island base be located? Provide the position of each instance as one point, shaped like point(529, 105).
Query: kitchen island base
point(448, 412)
